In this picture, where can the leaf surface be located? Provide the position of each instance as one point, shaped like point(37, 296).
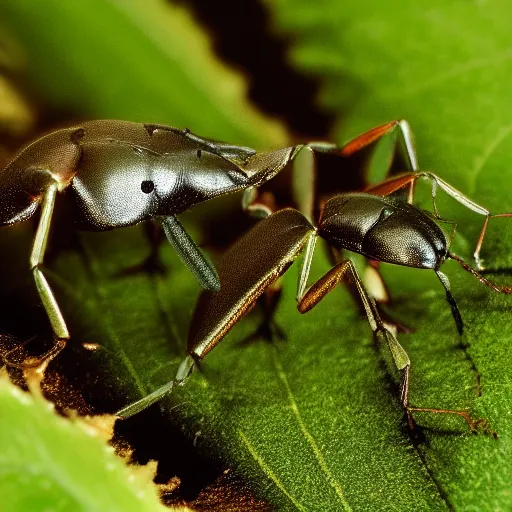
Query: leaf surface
point(116, 60)
point(313, 423)
point(51, 463)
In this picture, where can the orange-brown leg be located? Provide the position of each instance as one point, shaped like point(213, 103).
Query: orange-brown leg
point(371, 136)
point(346, 270)
point(391, 185)
point(497, 288)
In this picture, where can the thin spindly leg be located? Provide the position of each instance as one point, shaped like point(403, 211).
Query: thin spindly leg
point(346, 269)
point(303, 172)
point(304, 180)
point(468, 203)
point(451, 301)
point(246, 270)
point(361, 147)
point(367, 138)
point(182, 375)
point(392, 185)
point(496, 287)
point(50, 304)
point(405, 145)
point(36, 260)
point(190, 254)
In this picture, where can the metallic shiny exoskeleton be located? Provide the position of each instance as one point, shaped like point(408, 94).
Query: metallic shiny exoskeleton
point(380, 226)
point(117, 174)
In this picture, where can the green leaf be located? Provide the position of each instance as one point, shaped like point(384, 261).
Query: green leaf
point(313, 423)
point(309, 421)
point(51, 463)
point(123, 60)
point(445, 67)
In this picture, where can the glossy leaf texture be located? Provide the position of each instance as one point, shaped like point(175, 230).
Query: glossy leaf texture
point(52, 463)
point(444, 66)
point(313, 423)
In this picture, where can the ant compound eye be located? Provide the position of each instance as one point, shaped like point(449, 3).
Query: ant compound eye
point(199, 153)
point(147, 186)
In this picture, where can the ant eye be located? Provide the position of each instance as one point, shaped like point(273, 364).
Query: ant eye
point(199, 153)
point(147, 187)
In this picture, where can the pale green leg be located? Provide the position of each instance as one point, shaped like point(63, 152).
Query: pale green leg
point(308, 298)
point(190, 254)
point(305, 268)
point(182, 375)
point(36, 260)
point(468, 203)
point(303, 181)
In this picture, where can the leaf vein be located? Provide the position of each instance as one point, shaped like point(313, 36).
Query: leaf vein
point(310, 439)
point(270, 474)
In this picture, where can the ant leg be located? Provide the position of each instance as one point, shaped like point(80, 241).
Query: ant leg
point(183, 373)
point(453, 230)
point(392, 185)
point(269, 329)
point(376, 287)
point(36, 260)
point(476, 254)
point(256, 270)
point(451, 301)
point(406, 146)
point(304, 179)
point(404, 396)
point(362, 147)
point(367, 138)
point(190, 254)
point(307, 258)
point(468, 203)
point(315, 293)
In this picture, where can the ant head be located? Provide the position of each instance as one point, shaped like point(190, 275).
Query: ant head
point(383, 229)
